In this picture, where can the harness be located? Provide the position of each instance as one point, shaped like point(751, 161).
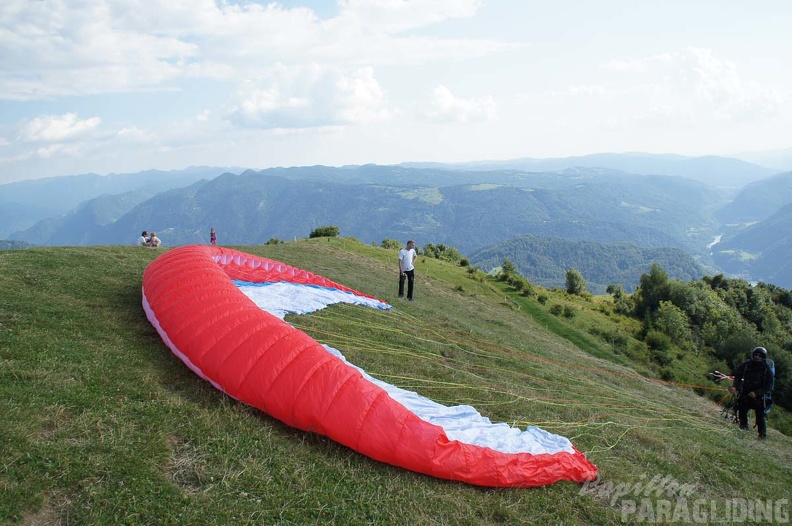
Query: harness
point(764, 372)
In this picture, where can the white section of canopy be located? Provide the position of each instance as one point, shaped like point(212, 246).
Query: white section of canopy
point(461, 422)
point(465, 424)
point(282, 298)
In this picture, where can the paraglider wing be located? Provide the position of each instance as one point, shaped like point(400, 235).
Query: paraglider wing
point(194, 298)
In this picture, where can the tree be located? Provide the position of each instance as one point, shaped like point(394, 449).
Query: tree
point(391, 244)
point(653, 289)
point(441, 251)
point(622, 302)
point(508, 267)
point(575, 284)
point(616, 290)
point(674, 323)
point(325, 231)
point(508, 271)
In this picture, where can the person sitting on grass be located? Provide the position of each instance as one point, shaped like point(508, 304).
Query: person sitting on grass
point(154, 241)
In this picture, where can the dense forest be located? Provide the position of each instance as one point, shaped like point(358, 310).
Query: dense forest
point(682, 330)
point(717, 317)
point(545, 260)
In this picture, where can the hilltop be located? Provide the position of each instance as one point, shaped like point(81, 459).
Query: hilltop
point(103, 425)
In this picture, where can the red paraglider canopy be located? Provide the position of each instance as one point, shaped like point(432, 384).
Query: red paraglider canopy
point(191, 298)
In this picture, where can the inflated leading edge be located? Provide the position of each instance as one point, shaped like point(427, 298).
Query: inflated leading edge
point(191, 299)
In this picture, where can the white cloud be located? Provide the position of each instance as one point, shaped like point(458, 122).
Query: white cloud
point(54, 128)
point(393, 16)
point(133, 134)
point(673, 95)
point(446, 107)
point(309, 96)
point(18, 158)
point(257, 82)
point(50, 151)
point(55, 48)
point(696, 86)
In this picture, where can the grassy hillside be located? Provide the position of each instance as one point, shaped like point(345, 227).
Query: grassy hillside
point(103, 425)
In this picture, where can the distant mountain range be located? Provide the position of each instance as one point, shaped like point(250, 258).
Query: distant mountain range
point(24, 203)
point(592, 204)
point(758, 200)
point(725, 173)
point(780, 160)
point(14, 245)
point(476, 207)
point(761, 251)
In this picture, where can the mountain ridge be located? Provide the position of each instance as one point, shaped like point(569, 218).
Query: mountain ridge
point(549, 209)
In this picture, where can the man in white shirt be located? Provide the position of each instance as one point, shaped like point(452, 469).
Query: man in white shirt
point(143, 239)
point(407, 257)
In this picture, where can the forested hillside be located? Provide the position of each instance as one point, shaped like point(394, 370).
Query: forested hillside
point(761, 251)
point(465, 206)
point(546, 260)
point(251, 208)
point(683, 331)
point(758, 200)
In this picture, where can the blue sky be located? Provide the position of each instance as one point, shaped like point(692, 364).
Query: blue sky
point(127, 85)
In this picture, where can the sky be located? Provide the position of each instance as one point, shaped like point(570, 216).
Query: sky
point(120, 86)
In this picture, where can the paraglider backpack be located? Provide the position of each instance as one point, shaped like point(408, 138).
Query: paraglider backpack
point(769, 394)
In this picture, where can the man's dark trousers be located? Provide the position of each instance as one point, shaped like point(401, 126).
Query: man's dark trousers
point(410, 276)
point(745, 404)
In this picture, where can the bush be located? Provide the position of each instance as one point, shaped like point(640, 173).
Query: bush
point(659, 347)
point(556, 310)
point(624, 304)
point(616, 290)
point(274, 241)
point(391, 244)
point(658, 341)
point(639, 352)
point(446, 253)
point(475, 273)
point(325, 231)
point(519, 283)
point(575, 284)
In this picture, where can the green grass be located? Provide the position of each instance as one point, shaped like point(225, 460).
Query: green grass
point(101, 424)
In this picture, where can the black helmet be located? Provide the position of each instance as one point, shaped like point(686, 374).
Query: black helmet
point(760, 350)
